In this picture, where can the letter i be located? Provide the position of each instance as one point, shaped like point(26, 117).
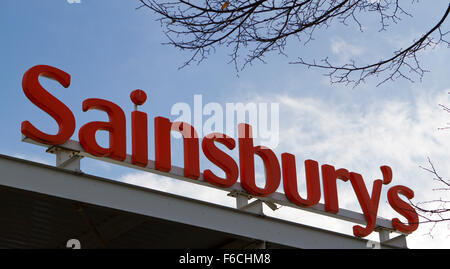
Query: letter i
point(139, 129)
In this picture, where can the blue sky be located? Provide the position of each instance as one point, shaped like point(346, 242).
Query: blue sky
point(110, 48)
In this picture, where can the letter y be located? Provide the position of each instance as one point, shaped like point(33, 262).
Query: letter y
point(368, 204)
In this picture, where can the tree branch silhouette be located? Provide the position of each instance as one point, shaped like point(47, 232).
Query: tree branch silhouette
point(253, 28)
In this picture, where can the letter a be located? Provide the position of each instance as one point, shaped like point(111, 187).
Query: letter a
point(116, 128)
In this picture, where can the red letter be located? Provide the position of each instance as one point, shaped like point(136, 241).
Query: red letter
point(246, 158)
point(50, 104)
point(329, 177)
point(139, 130)
point(116, 128)
point(368, 204)
point(403, 208)
point(387, 174)
point(290, 181)
point(221, 159)
point(163, 161)
point(139, 138)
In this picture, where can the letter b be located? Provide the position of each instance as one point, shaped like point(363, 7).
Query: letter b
point(247, 161)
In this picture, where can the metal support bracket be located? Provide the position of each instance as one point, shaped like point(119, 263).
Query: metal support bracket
point(398, 241)
point(384, 235)
point(66, 159)
point(254, 207)
point(241, 198)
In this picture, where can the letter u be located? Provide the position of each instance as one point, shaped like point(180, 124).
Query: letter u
point(290, 181)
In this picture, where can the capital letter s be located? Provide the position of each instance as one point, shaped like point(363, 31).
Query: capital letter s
point(48, 103)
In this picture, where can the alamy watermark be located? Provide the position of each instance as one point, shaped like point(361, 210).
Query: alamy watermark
point(73, 244)
point(215, 118)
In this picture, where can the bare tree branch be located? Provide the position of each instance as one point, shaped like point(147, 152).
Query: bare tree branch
point(258, 27)
point(402, 64)
point(436, 210)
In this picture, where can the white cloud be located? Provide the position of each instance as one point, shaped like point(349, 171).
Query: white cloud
point(344, 50)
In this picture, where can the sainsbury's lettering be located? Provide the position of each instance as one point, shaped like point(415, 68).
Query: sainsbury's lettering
point(116, 127)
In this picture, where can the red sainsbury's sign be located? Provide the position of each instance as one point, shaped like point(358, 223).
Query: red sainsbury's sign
point(274, 172)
